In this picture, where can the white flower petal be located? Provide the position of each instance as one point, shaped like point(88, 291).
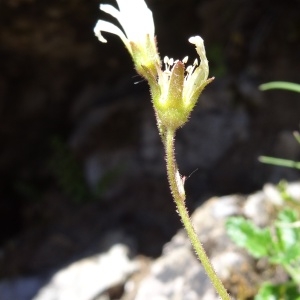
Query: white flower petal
point(196, 74)
point(136, 19)
point(111, 10)
point(199, 43)
point(109, 27)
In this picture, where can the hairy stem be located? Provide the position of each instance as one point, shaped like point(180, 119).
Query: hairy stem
point(177, 190)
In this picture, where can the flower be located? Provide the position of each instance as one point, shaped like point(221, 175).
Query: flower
point(178, 87)
point(137, 23)
point(175, 90)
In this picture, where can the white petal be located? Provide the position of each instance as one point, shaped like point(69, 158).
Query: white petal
point(136, 19)
point(199, 43)
point(201, 72)
point(109, 27)
point(197, 75)
point(109, 9)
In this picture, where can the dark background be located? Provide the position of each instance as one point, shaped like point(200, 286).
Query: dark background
point(80, 154)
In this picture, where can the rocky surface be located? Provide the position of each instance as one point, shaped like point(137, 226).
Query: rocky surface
point(177, 274)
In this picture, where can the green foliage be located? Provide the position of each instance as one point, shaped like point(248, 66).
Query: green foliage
point(279, 243)
point(247, 235)
point(293, 87)
point(280, 246)
point(287, 291)
point(286, 236)
point(280, 162)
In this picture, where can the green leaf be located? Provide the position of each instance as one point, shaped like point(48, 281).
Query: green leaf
point(286, 291)
point(288, 235)
point(288, 215)
point(279, 162)
point(246, 234)
point(294, 87)
point(287, 257)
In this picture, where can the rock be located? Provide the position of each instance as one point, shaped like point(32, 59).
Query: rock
point(90, 277)
point(94, 277)
point(259, 209)
point(178, 275)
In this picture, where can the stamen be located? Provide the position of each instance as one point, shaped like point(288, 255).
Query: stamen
point(167, 62)
point(185, 59)
point(189, 69)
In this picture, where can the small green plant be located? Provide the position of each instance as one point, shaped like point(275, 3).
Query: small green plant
point(286, 291)
point(280, 242)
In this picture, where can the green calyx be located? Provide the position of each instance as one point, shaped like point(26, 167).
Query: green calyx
point(175, 91)
point(170, 100)
point(169, 104)
point(146, 58)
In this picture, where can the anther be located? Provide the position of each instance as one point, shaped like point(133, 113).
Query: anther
point(185, 59)
point(189, 69)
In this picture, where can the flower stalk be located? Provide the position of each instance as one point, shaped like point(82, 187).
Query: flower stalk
point(175, 92)
point(177, 188)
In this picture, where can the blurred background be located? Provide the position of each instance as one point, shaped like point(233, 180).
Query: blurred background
point(80, 154)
